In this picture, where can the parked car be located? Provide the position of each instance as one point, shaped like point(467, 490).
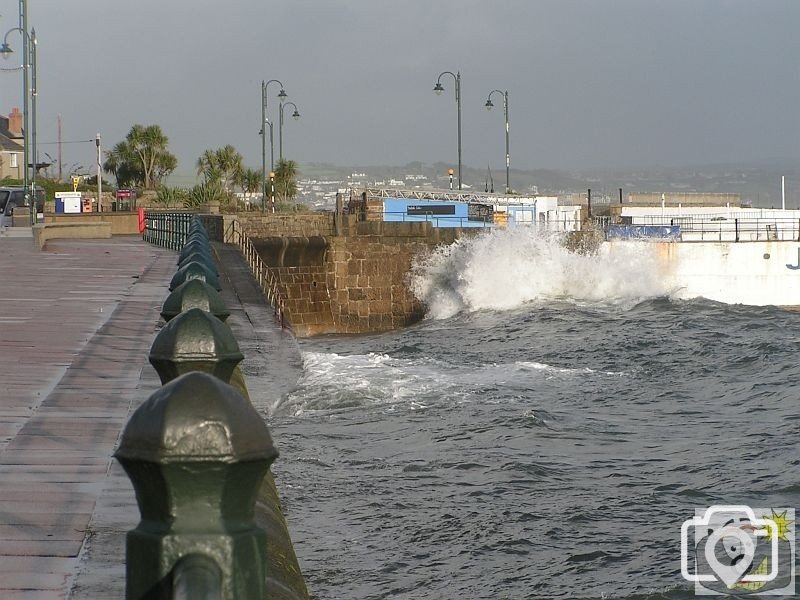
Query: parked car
point(13, 196)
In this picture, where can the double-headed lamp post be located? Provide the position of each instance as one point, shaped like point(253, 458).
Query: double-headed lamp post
point(265, 122)
point(489, 106)
point(438, 88)
point(29, 99)
point(295, 116)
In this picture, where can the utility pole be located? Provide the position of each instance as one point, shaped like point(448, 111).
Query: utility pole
point(60, 174)
point(99, 175)
point(34, 150)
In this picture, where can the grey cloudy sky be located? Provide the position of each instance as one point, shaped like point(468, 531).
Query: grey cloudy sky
point(591, 83)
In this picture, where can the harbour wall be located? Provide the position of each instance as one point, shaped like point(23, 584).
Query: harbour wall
point(346, 275)
point(342, 274)
point(754, 273)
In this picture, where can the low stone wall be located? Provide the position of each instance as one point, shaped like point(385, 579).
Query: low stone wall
point(258, 225)
point(93, 230)
point(122, 223)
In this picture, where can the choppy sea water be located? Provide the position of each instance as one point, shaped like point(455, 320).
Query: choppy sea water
point(533, 439)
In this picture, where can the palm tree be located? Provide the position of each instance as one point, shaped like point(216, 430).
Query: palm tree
point(223, 163)
point(120, 162)
point(149, 144)
point(206, 162)
point(285, 178)
point(142, 157)
point(250, 181)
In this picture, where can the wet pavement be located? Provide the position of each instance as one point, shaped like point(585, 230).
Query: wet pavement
point(76, 326)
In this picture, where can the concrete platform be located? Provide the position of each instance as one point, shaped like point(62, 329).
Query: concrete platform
point(77, 323)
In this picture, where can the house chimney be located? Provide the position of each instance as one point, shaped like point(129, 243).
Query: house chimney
point(15, 123)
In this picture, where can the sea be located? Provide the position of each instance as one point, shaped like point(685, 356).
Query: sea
point(544, 432)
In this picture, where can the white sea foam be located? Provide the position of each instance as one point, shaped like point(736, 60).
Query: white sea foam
point(342, 381)
point(537, 366)
point(507, 268)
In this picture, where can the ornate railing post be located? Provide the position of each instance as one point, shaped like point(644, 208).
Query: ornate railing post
point(202, 480)
point(196, 452)
point(194, 293)
point(194, 270)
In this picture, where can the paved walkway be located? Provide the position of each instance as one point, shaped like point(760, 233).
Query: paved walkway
point(76, 325)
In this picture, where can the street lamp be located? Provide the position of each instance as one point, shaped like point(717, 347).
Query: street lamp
point(264, 122)
point(29, 93)
point(295, 116)
point(263, 164)
point(438, 88)
point(489, 106)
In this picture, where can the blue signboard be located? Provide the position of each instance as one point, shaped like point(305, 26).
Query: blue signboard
point(441, 213)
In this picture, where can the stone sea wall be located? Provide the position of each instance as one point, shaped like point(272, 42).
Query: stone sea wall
point(353, 282)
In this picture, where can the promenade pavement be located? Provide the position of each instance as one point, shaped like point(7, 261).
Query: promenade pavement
point(76, 325)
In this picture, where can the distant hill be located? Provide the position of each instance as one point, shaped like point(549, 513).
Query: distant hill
point(757, 183)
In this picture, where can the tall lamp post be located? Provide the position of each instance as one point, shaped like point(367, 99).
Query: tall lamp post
point(438, 88)
point(264, 123)
point(28, 97)
point(295, 116)
point(267, 123)
point(489, 106)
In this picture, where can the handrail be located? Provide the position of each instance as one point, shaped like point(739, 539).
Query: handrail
point(726, 229)
point(261, 272)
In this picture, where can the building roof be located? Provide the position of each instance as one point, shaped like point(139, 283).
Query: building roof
point(8, 141)
point(9, 145)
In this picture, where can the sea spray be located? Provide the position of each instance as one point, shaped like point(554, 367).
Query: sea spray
point(507, 268)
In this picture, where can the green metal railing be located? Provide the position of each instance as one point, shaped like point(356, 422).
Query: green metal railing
point(166, 229)
point(198, 454)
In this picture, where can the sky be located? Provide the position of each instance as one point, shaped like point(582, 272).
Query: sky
point(591, 83)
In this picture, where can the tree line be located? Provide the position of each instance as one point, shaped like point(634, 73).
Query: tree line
point(143, 159)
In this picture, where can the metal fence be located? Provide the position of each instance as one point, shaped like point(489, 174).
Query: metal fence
point(266, 279)
point(722, 229)
point(166, 229)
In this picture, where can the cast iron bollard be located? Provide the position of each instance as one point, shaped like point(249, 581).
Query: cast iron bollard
point(194, 293)
point(201, 247)
point(195, 247)
point(194, 270)
point(196, 236)
point(203, 259)
point(196, 452)
point(195, 341)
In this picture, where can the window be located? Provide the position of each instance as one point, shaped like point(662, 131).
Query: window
point(13, 160)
